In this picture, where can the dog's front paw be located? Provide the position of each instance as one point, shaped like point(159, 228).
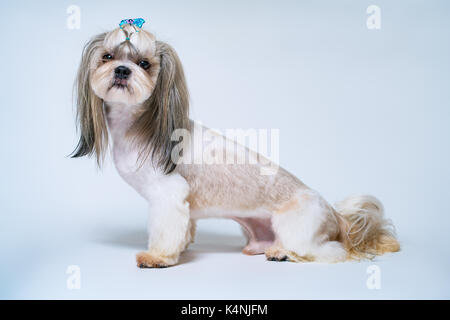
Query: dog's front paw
point(147, 260)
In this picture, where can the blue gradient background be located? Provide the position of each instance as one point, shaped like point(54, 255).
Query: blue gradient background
point(359, 111)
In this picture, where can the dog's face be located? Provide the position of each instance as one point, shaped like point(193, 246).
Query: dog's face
point(128, 66)
point(124, 68)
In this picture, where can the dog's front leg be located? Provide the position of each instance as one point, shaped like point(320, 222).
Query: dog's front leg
point(168, 223)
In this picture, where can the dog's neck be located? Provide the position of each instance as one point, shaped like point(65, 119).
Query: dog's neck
point(120, 118)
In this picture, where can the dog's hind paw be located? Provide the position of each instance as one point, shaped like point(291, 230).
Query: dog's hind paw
point(279, 259)
point(276, 254)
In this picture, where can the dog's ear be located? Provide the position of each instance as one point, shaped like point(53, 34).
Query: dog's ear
point(166, 110)
point(90, 118)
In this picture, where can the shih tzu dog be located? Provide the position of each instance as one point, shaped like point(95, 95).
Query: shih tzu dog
point(131, 91)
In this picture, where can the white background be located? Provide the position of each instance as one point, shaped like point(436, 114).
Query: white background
point(359, 111)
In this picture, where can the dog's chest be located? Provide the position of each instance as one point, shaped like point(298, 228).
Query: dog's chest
point(125, 155)
point(125, 159)
point(129, 168)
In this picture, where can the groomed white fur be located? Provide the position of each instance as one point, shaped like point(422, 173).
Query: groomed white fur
point(299, 231)
point(283, 218)
point(169, 218)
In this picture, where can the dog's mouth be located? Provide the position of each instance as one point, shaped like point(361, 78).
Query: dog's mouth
point(119, 83)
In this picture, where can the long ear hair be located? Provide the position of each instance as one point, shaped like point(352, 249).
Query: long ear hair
point(166, 110)
point(91, 122)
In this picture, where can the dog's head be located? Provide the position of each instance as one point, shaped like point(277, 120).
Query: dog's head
point(124, 65)
point(129, 67)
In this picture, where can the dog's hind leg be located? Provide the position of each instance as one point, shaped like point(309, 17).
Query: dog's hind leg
point(308, 230)
point(259, 234)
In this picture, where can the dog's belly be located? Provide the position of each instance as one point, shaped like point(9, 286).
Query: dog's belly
point(229, 214)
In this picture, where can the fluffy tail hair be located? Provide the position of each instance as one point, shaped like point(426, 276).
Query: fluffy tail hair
point(366, 233)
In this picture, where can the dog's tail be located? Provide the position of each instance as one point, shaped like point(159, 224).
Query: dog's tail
point(365, 231)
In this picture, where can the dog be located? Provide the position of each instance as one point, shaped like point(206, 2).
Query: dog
point(131, 89)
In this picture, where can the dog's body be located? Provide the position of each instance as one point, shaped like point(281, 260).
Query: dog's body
point(141, 108)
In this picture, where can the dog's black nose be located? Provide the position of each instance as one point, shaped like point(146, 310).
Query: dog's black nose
point(122, 72)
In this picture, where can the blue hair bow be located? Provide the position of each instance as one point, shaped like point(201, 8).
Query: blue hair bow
point(138, 22)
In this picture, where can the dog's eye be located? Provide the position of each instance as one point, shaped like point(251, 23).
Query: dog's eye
point(107, 57)
point(144, 64)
